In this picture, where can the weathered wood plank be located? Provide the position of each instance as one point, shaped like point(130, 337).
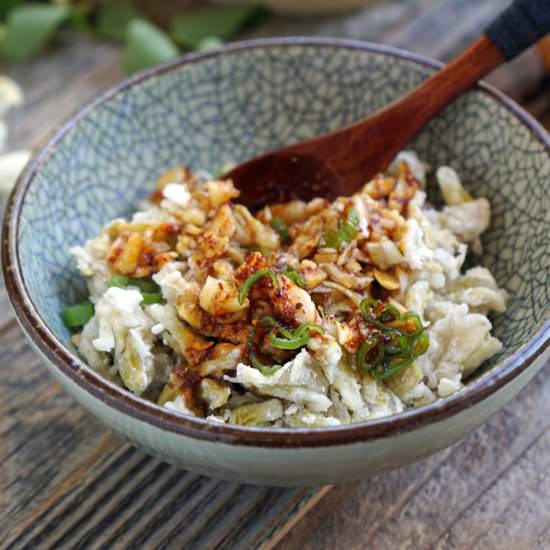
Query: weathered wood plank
point(518, 497)
point(455, 498)
point(65, 482)
point(96, 492)
point(5, 308)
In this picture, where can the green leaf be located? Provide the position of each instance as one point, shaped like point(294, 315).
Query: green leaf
point(345, 233)
point(114, 17)
point(253, 279)
point(80, 12)
point(78, 315)
point(28, 29)
point(210, 43)
point(152, 298)
point(146, 45)
point(7, 5)
point(281, 228)
point(222, 22)
point(120, 281)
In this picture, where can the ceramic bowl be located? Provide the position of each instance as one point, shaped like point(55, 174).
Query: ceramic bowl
point(210, 108)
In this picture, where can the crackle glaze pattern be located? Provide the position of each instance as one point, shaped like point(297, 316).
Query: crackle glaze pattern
point(229, 107)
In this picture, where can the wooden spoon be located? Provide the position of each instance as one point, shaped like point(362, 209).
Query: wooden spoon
point(340, 162)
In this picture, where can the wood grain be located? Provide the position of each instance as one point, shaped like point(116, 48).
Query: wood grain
point(544, 51)
point(65, 482)
point(489, 491)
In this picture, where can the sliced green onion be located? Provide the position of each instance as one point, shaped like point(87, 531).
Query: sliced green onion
point(410, 316)
point(258, 365)
point(152, 298)
point(287, 333)
point(366, 307)
point(289, 343)
point(345, 233)
point(294, 340)
point(398, 339)
point(148, 288)
point(295, 277)
point(281, 228)
point(78, 315)
point(421, 344)
point(389, 313)
point(311, 327)
point(399, 344)
point(243, 292)
point(146, 285)
point(269, 371)
point(269, 321)
point(255, 361)
point(383, 371)
point(119, 281)
point(372, 341)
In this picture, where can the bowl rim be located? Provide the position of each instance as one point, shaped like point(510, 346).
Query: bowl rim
point(122, 401)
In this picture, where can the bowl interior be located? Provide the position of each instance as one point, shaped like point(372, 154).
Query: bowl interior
point(230, 106)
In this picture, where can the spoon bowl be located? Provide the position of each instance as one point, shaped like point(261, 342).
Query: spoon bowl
point(283, 177)
point(341, 162)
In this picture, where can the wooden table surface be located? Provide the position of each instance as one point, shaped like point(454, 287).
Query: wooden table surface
point(66, 482)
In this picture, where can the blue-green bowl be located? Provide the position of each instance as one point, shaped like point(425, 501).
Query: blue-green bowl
point(210, 108)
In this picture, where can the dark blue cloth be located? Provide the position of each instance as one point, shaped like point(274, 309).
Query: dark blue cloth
point(520, 26)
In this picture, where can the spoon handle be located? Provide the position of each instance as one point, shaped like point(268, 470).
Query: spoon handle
point(514, 30)
point(519, 26)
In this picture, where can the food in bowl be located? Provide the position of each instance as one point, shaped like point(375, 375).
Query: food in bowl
point(303, 315)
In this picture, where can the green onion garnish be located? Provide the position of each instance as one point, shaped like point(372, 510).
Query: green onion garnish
point(293, 340)
point(395, 341)
point(149, 289)
point(281, 228)
point(269, 371)
point(152, 298)
point(389, 313)
point(421, 344)
point(372, 341)
point(255, 361)
point(78, 315)
point(243, 292)
point(345, 233)
point(144, 284)
point(269, 321)
point(295, 277)
point(257, 364)
point(366, 307)
point(119, 281)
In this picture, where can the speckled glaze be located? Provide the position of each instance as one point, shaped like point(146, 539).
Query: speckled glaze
point(211, 108)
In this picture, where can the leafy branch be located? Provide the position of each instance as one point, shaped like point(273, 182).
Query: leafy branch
point(27, 27)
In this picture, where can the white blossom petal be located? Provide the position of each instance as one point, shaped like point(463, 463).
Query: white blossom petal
point(11, 166)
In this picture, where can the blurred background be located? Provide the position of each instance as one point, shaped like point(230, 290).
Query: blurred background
point(62, 53)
